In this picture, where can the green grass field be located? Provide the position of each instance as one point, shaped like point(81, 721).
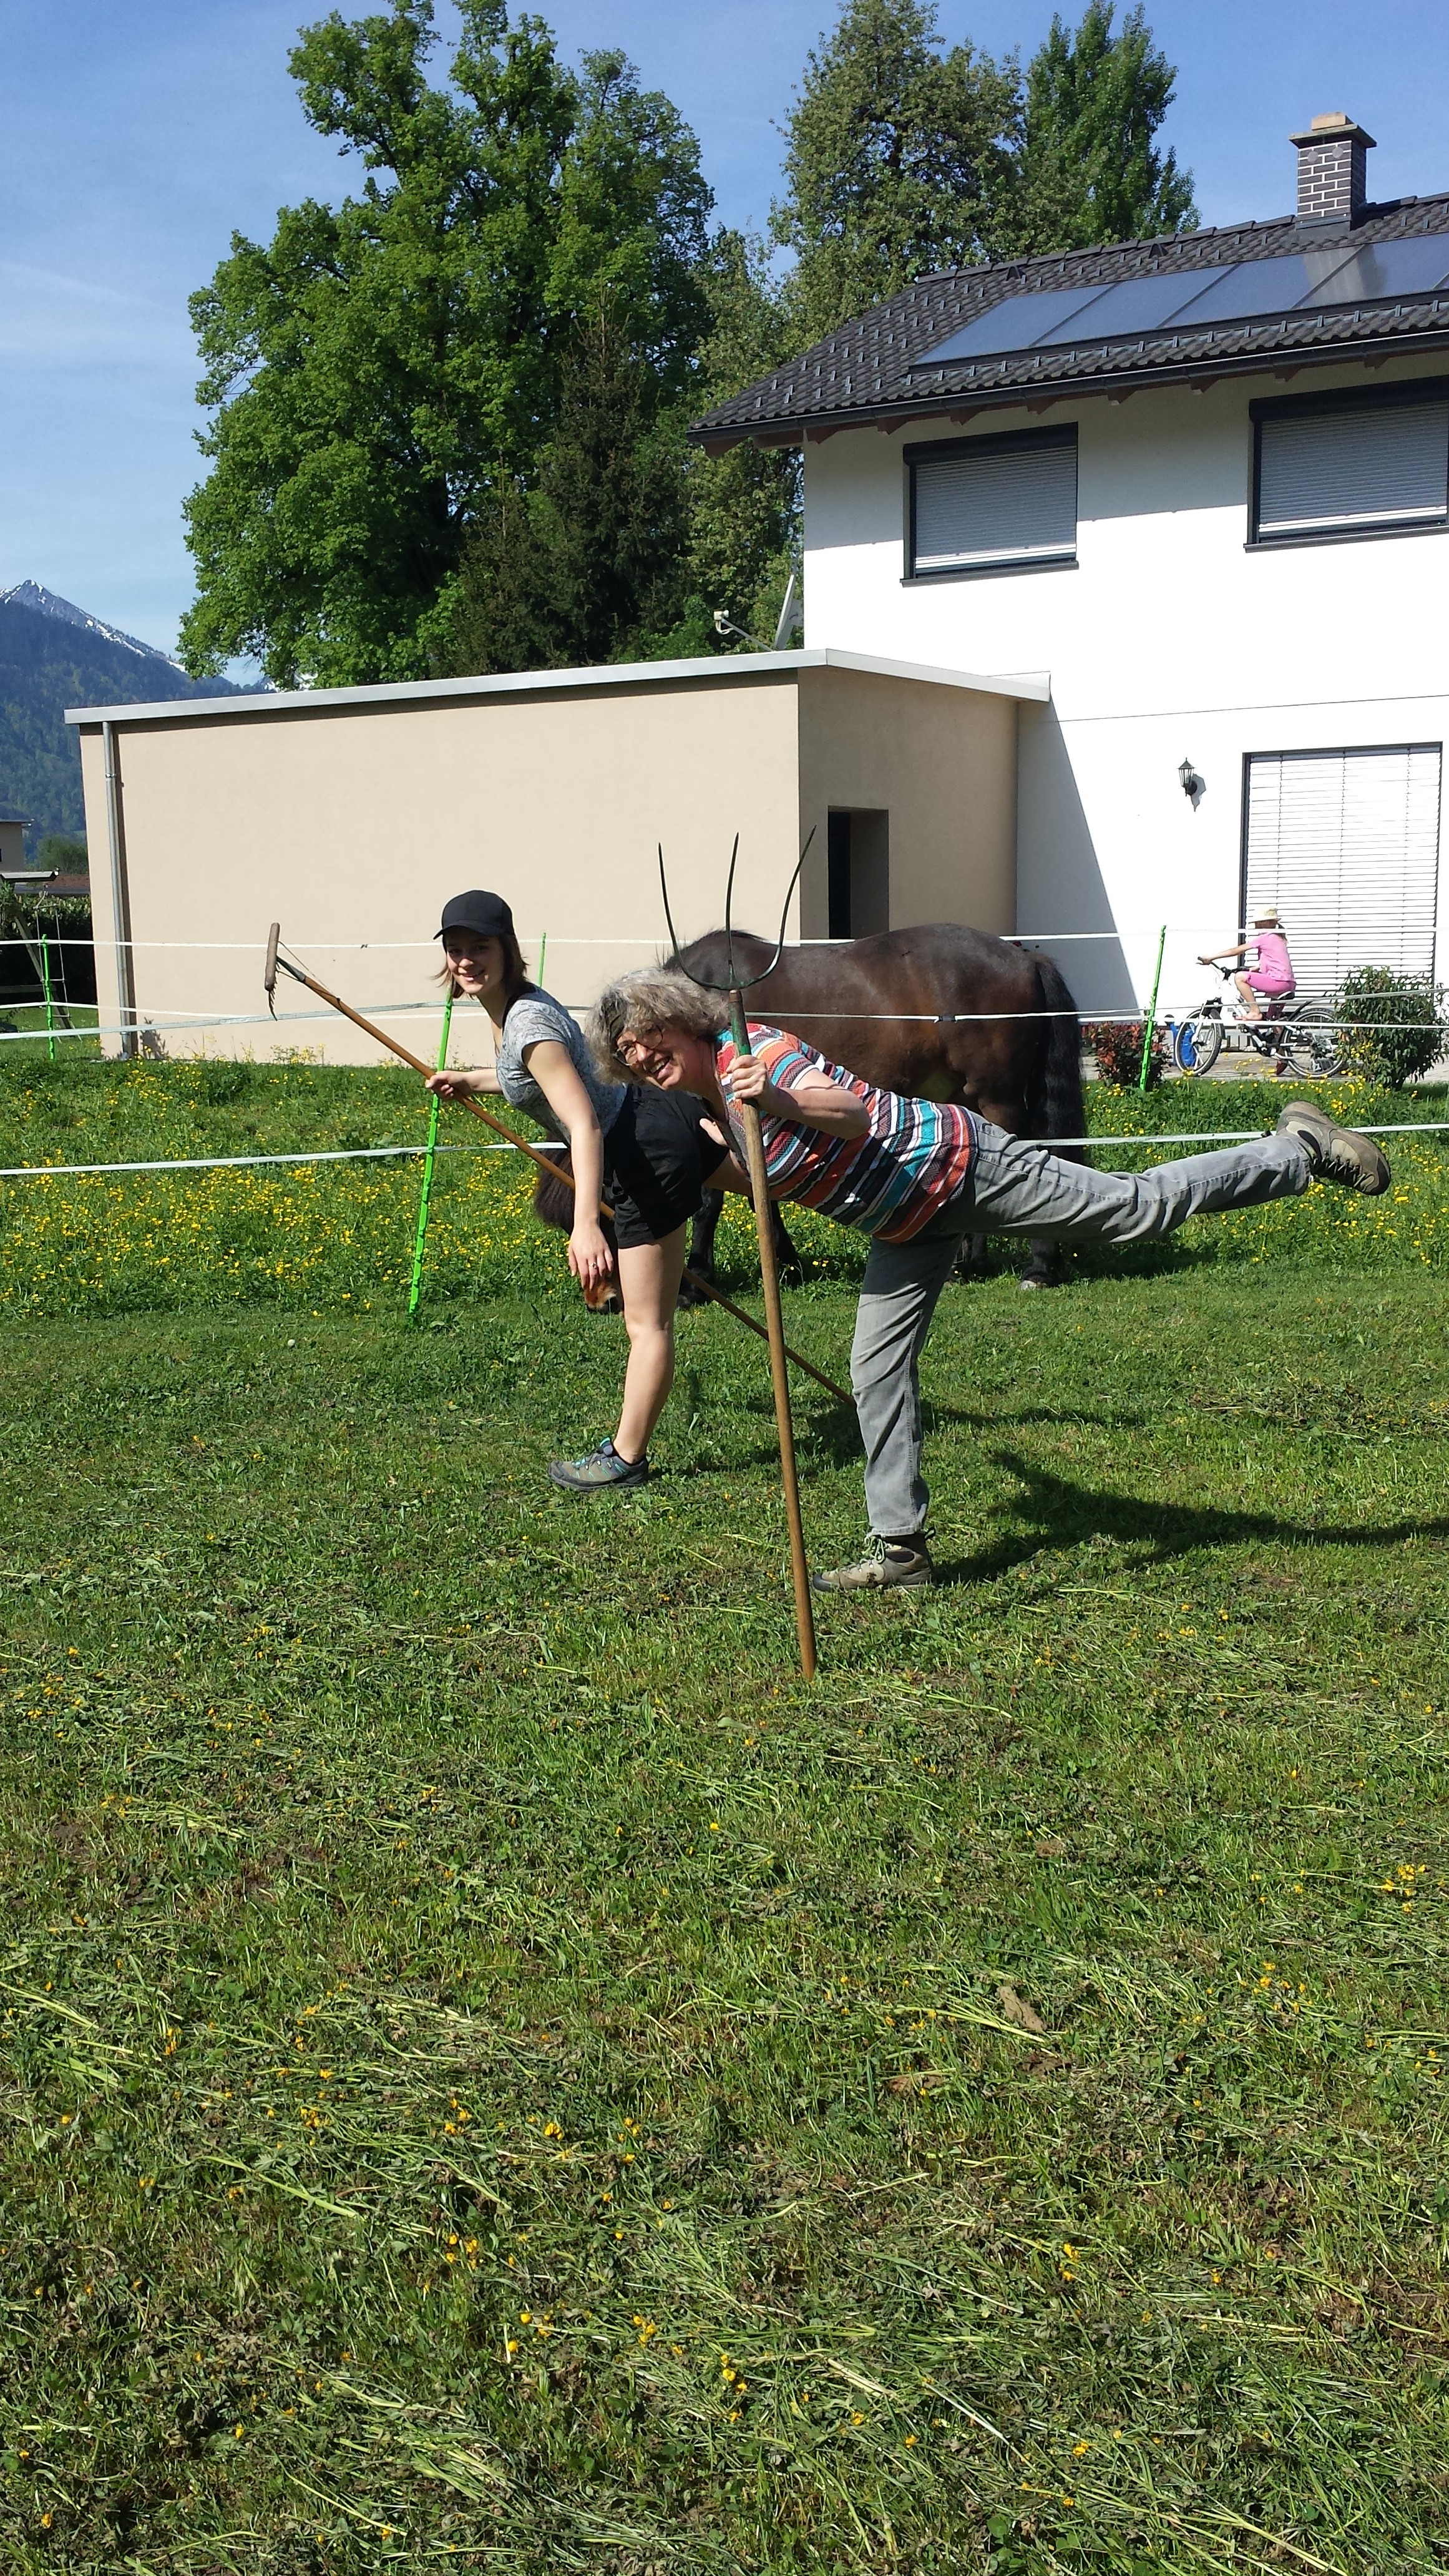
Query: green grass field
point(323, 1237)
point(498, 2071)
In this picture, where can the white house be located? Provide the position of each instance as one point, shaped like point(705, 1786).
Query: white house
point(1124, 579)
point(1204, 483)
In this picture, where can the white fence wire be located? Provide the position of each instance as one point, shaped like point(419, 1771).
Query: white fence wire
point(379, 1153)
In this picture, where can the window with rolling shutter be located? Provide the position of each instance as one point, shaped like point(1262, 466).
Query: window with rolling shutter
point(1345, 846)
point(993, 504)
point(1352, 468)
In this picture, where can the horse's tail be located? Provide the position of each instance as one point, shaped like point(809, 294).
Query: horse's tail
point(553, 1204)
point(553, 1199)
point(1056, 1105)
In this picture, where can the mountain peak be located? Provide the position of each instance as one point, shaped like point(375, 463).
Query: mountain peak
point(46, 603)
point(54, 655)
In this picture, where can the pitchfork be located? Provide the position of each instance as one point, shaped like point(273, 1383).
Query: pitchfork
point(736, 987)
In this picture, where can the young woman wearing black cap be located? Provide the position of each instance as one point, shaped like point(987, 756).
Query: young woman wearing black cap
point(652, 1154)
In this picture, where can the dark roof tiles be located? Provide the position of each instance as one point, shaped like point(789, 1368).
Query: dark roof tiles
point(871, 368)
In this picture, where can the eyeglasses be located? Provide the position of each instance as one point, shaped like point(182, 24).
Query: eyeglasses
point(632, 1049)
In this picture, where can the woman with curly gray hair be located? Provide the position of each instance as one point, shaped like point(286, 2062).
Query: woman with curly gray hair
point(917, 1176)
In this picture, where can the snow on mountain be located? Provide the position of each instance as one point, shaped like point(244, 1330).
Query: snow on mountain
point(33, 594)
point(54, 655)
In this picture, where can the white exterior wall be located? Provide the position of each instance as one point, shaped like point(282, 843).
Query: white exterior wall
point(1169, 640)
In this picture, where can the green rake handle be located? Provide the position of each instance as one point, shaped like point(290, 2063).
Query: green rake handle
point(429, 1159)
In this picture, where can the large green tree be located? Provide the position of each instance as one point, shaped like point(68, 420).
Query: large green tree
point(623, 542)
point(1089, 169)
point(382, 368)
point(896, 155)
point(744, 506)
point(903, 156)
point(586, 563)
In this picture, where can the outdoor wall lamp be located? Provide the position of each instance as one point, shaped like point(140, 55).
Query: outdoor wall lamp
point(1192, 785)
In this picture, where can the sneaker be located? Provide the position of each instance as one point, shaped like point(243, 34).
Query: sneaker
point(601, 1468)
point(1336, 1153)
point(887, 1564)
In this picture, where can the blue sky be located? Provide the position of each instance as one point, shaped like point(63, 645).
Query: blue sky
point(139, 133)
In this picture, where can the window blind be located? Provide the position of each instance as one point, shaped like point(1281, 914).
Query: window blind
point(1345, 845)
point(1381, 465)
point(995, 505)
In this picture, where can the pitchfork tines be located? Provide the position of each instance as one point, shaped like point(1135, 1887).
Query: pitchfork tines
point(733, 983)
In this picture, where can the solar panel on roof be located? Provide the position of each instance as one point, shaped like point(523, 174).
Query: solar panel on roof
point(1410, 267)
point(1254, 286)
point(1018, 322)
point(1298, 281)
point(1135, 304)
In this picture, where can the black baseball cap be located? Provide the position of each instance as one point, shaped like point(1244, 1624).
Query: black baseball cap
point(487, 914)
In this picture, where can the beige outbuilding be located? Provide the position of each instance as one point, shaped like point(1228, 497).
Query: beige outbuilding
point(349, 815)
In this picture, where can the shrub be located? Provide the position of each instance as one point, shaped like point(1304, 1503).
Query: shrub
point(1398, 1027)
point(222, 1078)
point(1117, 1046)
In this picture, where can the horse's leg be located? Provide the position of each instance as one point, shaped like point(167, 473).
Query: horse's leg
point(1046, 1265)
point(701, 1245)
point(787, 1259)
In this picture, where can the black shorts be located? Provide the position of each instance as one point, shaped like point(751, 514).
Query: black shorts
point(658, 1163)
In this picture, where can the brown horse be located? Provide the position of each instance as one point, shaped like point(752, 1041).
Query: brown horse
point(937, 1013)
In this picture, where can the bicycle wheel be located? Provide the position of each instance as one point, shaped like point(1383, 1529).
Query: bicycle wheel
point(1198, 1043)
point(1312, 1045)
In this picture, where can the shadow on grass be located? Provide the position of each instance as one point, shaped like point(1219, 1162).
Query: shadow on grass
point(828, 1436)
point(1063, 1514)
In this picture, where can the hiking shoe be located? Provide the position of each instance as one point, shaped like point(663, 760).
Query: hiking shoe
point(887, 1564)
point(1337, 1153)
point(600, 1469)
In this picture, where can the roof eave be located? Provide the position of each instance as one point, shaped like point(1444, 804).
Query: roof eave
point(713, 670)
point(964, 402)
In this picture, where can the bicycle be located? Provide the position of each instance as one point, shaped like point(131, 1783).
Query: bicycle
point(1297, 1037)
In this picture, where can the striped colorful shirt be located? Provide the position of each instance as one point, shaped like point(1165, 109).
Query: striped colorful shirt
point(910, 1164)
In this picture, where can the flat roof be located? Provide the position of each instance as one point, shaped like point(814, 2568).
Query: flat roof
point(712, 668)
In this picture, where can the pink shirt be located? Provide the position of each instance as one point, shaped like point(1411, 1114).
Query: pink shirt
point(1273, 972)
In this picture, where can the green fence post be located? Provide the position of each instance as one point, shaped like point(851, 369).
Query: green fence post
point(45, 988)
point(428, 1160)
point(1147, 1033)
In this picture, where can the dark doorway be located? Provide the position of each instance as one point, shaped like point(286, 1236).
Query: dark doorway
point(857, 872)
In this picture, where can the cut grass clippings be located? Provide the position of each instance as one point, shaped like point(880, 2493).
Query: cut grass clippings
point(497, 2069)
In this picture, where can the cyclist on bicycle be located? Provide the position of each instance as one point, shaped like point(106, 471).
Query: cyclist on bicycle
point(1270, 978)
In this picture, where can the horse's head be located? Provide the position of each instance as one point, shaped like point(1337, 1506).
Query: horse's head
point(708, 960)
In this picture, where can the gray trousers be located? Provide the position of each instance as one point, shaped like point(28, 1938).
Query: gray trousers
point(1018, 1188)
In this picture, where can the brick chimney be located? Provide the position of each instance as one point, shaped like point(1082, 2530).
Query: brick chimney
point(1331, 159)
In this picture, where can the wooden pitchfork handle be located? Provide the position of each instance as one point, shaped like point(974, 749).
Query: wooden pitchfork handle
point(775, 1321)
point(545, 1162)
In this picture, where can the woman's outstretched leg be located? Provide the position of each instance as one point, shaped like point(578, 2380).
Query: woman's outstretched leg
point(1018, 1188)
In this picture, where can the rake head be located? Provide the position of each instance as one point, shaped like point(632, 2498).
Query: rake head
point(277, 964)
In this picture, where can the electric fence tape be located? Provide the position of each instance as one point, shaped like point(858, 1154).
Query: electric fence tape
point(380, 1153)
